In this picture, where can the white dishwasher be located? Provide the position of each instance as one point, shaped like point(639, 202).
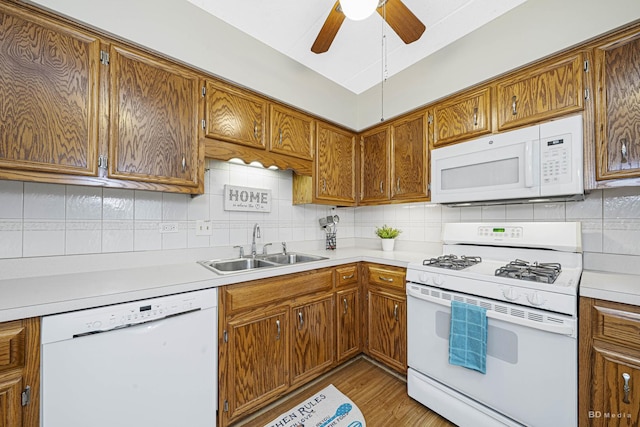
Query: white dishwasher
point(145, 363)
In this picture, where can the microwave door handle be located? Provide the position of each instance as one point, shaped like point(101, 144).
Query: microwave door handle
point(528, 164)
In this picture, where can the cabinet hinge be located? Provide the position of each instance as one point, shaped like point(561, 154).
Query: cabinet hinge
point(225, 336)
point(430, 119)
point(102, 161)
point(204, 124)
point(586, 66)
point(429, 187)
point(204, 91)
point(26, 396)
point(226, 406)
point(104, 57)
point(587, 94)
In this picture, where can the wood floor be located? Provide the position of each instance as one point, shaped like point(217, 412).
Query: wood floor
point(380, 395)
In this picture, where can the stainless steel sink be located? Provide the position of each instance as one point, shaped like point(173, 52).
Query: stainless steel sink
point(234, 265)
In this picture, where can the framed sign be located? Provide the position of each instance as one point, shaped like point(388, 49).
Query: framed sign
point(246, 199)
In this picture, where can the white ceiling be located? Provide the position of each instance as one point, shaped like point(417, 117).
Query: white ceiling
point(355, 59)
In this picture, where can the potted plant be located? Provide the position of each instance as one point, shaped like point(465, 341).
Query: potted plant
point(387, 235)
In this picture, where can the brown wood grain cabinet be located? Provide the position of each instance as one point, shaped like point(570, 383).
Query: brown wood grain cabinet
point(49, 95)
point(334, 172)
point(409, 158)
point(617, 113)
point(374, 166)
point(20, 373)
point(541, 92)
point(348, 312)
point(609, 361)
point(386, 315)
point(464, 116)
point(234, 115)
point(153, 120)
point(291, 132)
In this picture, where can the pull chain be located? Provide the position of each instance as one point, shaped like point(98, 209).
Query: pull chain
point(385, 70)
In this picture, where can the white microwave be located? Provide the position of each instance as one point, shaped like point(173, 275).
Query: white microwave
point(536, 163)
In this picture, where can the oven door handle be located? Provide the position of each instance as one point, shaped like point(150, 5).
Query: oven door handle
point(556, 329)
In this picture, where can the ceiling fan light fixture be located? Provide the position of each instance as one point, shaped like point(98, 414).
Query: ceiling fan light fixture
point(357, 10)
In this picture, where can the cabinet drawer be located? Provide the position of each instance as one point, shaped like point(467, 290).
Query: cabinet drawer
point(618, 323)
point(385, 276)
point(347, 275)
point(12, 345)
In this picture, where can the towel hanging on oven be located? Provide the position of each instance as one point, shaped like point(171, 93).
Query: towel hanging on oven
point(468, 336)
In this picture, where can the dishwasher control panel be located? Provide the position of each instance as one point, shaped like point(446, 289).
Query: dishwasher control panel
point(102, 319)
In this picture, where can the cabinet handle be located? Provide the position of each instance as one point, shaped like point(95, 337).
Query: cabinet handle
point(475, 116)
point(395, 311)
point(398, 185)
point(626, 388)
point(623, 150)
point(255, 129)
point(347, 277)
point(346, 305)
point(386, 279)
point(382, 186)
point(300, 321)
point(514, 104)
point(324, 185)
point(184, 163)
point(280, 136)
point(278, 328)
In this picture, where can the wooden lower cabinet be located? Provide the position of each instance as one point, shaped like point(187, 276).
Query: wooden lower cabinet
point(20, 373)
point(348, 317)
point(609, 375)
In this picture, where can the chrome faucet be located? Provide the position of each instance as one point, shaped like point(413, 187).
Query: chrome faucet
point(256, 232)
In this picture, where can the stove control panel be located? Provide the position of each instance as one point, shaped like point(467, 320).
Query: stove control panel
point(500, 233)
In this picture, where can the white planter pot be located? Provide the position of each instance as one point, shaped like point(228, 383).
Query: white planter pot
point(388, 244)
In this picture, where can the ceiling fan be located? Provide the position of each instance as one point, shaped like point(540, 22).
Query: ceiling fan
point(398, 16)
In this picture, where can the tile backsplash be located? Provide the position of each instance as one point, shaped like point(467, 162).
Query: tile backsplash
point(50, 219)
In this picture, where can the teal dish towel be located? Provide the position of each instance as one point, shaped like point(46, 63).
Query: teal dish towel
point(468, 336)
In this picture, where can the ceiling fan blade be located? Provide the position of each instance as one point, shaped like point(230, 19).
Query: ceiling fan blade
point(402, 21)
point(329, 30)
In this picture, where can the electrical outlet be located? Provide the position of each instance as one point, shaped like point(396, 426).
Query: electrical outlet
point(168, 227)
point(203, 228)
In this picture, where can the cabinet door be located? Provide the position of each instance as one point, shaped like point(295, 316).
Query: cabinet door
point(374, 166)
point(257, 362)
point(312, 339)
point(10, 401)
point(154, 119)
point(291, 132)
point(545, 91)
point(335, 166)
point(617, 401)
point(348, 322)
point(617, 114)
point(387, 329)
point(463, 117)
point(234, 116)
point(409, 163)
point(49, 89)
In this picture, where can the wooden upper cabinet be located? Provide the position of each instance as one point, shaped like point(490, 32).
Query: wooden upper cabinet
point(462, 117)
point(154, 120)
point(541, 92)
point(49, 90)
point(234, 115)
point(335, 166)
point(409, 159)
point(291, 132)
point(617, 66)
point(374, 165)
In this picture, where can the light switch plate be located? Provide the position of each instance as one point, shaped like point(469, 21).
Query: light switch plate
point(203, 228)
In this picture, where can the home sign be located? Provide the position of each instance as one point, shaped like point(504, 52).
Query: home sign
point(246, 199)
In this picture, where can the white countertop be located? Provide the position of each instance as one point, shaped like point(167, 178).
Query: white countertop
point(42, 295)
point(617, 287)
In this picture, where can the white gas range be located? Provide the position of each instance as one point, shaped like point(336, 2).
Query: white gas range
point(526, 277)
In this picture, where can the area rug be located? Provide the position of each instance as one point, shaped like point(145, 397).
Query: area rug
point(327, 408)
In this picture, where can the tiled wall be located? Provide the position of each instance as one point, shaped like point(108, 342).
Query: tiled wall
point(49, 219)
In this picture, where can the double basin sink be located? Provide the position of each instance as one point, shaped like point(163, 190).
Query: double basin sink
point(234, 265)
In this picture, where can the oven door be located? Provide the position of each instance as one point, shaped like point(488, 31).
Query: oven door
point(531, 375)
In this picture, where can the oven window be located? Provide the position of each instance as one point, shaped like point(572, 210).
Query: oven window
point(501, 343)
point(478, 175)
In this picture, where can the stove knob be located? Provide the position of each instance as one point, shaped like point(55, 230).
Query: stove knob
point(535, 299)
point(510, 293)
point(438, 280)
point(424, 278)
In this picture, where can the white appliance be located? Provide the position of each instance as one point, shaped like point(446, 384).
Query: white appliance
point(144, 363)
point(541, 161)
point(526, 276)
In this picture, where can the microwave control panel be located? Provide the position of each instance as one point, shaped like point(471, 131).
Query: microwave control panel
point(555, 160)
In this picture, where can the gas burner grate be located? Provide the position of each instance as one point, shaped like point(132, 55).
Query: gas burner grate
point(535, 272)
point(452, 262)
